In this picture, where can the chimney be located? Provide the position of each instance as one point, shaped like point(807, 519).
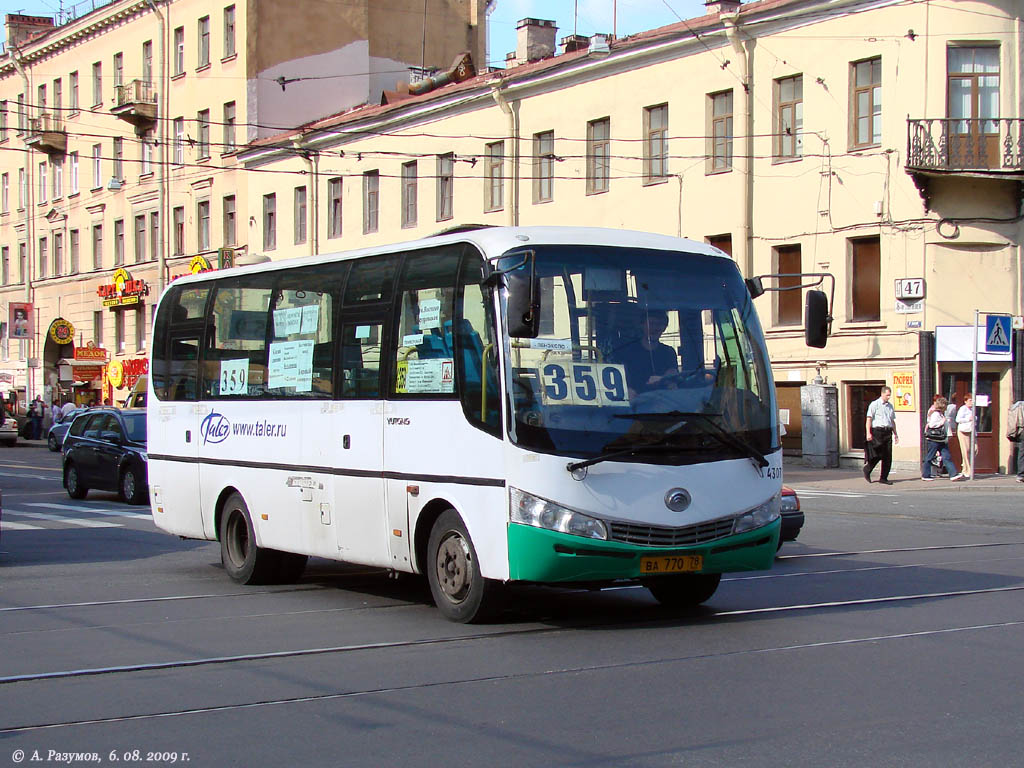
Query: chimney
point(575, 43)
point(600, 43)
point(721, 6)
point(535, 40)
point(21, 27)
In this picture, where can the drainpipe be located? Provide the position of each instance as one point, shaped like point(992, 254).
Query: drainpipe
point(165, 223)
point(30, 205)
point(732, 32)
point(513, 131)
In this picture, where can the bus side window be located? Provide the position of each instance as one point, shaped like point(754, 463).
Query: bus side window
point(360, 359)
point(176, 336)
point(476, 351)
point(235, 358)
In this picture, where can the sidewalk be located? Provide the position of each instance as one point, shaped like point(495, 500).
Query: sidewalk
point(799, 476)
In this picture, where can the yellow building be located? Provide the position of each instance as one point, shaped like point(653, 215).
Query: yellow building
point(879, 141)
point(119, 138)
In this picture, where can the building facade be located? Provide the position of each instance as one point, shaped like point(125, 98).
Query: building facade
point(119, 139)
point(874, 140)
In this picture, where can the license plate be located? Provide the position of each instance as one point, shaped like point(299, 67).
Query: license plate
point(671, 564)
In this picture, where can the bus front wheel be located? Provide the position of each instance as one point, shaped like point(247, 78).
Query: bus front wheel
point(459, 590)
point(243, 560)
point(686, 590)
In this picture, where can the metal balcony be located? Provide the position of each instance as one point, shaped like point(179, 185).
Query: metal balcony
point(975, 146)
point(135, 102)
point(46, 133)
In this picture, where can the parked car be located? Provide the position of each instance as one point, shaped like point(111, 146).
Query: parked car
point(55, 436)
point(792, 516)
point(9, 431)
point(105, 449)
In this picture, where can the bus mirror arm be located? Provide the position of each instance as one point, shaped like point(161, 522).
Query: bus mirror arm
point(817, 306)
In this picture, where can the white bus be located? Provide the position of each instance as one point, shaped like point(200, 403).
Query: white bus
point(539, 404)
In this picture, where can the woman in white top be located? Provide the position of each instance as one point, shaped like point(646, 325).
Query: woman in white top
point(936, 442)
point(964, 428)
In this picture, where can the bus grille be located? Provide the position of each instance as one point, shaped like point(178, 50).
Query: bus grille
point(657, 536)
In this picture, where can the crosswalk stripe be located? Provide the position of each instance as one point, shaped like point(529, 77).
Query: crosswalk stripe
point(62, 519)
point(105, 511)
point(12, 526)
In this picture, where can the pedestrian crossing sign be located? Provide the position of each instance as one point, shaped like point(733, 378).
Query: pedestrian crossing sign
point(997, 333)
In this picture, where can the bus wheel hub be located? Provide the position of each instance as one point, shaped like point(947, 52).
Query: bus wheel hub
point(453, 567)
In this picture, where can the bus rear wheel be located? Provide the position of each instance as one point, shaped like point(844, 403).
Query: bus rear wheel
point(244, 561)
point(685, 590)
point(459, 590)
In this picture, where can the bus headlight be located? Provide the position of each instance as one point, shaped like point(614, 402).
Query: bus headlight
point(759, 516)
point(527, 509)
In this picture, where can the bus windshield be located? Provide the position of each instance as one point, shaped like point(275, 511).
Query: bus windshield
point(642, 355)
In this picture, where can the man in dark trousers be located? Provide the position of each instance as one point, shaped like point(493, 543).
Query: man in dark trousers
point(881, 432)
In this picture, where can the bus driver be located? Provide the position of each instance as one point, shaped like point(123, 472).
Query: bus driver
point(646, 359)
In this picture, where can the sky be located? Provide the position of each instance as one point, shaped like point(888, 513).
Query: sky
point(584, 17)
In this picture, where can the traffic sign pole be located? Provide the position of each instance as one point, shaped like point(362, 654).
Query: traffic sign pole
point(974, 399)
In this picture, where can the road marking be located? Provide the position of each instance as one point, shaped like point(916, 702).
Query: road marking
point(29, 477)
point(92, 510)
point(63, 519)
point(11, 526)
point(840, 494)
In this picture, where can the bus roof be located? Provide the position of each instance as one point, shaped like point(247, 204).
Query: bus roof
point(493, 241)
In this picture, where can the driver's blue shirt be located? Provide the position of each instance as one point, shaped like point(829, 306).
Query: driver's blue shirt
point(641, 363)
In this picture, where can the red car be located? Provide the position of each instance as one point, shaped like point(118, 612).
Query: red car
point(792, 516)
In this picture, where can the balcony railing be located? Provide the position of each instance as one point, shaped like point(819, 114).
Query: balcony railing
point(46, 122)
point(135, 102)
point(46, 133)
point(135, 92)
point(976, 145)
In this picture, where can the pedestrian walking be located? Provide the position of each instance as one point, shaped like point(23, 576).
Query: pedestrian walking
point(880, 427)
point(35, 417)
point(936, 438)
point(1015, 432)
point(964, 430)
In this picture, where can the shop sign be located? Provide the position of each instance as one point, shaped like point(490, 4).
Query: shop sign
point(123, 291)
point(91, 352)
point(124, 373)
point(196, 266)
point(61, 331)
point(903, 393)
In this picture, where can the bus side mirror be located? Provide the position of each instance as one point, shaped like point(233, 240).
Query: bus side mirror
point(523, 303)
point(816, 319)
point(754, 286)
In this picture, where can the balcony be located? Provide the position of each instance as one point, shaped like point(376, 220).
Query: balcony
point(135, 102)
point(46, 133)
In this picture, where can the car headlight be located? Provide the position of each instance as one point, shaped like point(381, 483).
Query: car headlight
point(527, 509)
point(762, 515)
point(790, 503)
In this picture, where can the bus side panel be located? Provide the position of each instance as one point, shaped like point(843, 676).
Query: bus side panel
point(173, 432)
point(432, 447)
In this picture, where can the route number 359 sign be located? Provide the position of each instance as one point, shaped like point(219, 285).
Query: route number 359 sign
point(569, 383)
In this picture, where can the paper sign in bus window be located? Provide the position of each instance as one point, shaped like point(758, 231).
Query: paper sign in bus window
point(430, 314)
point(363, 331)
point(234, 377)
point(433, 376)
point(291, 365)
point(572, 383)
point(310, 318)
point(287, 322)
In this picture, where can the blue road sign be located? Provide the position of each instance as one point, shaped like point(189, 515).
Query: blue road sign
point(997, 333)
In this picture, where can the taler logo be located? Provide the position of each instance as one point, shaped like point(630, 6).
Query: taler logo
point(215, 428)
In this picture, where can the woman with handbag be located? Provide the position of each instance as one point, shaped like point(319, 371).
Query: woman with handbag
point(935, 438)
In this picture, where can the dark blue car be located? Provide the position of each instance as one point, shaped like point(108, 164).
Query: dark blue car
point(105, 449)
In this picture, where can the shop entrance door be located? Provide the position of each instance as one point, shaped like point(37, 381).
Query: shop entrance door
point(955, 387)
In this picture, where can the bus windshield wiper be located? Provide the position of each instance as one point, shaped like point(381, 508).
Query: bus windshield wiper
point(661, 442)
point(710, 426)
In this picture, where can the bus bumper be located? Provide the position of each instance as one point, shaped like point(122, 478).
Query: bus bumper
point(536, 554)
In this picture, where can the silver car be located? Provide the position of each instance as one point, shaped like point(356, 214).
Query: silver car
point(55, 437)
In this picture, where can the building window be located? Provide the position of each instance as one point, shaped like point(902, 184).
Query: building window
point(43, 256)
point(146, 157)
point(58, 253)
point(229, 31)
point(203, 121)
point(22, 114)
point(5, 266)
point(73, 91)
point(334, 208)
point(371, 200)
point(42, 183)
point(721, 131)
point(178, 223)
point(445, 186)
point(973, 106)
point(73, 173)
point(409, 194)
point(97, 327)
point(22, 188)
point(229, 127)
point(140, 329)
point(598, 155)
point(118, 70)
point(147, 61)
point(119, 332)
point(269, 222)
point(300, 215)
point(97, 84)
point(22, 262)
point(179, 50)
point(494, 182)
point(544, 167)
point(97, 166)
point(57, 177)
point(229, 221)
point(58, 97)
point(789, 117)
point(154, 234)
point(118, 158)
point(203, 225)
point(866, 108)
point(179, 141)
point(204, 42)
point(41, 99)
point(97, 246)
point(140, 238)
point(75, 248)
point(5, 193)
point(721, 242)
point(655, 144)
point(3, 120)
point(865, 279)
point(788, 303)
point(118, 242)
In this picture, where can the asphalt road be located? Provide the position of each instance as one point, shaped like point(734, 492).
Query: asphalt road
point(889, 634)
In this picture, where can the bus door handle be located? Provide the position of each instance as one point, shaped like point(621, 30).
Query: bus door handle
point(346, 442)
point(188, 435)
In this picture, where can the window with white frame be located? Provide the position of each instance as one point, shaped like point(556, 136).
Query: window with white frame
point(445, 186)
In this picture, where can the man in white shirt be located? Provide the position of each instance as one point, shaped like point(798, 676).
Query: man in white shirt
point(66, 410)
point(880, 428)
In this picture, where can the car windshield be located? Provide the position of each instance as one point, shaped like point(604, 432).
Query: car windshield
point(650, 355)
point(135, 425)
